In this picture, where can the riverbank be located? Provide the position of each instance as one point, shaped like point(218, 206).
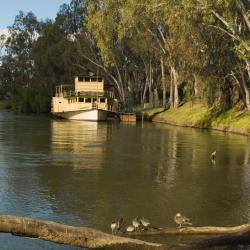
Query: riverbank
point(200, 116)
point(4, 105)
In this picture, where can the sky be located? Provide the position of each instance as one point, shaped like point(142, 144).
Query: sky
point(41, 8)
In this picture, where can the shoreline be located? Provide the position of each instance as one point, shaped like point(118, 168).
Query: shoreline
point(204, 128)
point(4, 105)
point(200, 117)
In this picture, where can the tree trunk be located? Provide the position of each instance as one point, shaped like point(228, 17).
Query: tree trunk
point(144, 92)
point(171, 97)
point(208, 230)
point(175, 85)
point(75, 236)
point(151, 94)
point(243, 10)
point(164, 102)
point(94, 239)
point(195, 85)
point(146, 85)
point(176, 95)
point(242, 238)
point(246, 91)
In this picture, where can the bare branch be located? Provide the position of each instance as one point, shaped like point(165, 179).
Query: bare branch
point(243, 11)
point(223, 21)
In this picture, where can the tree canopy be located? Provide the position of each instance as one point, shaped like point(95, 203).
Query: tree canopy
point(158, 52)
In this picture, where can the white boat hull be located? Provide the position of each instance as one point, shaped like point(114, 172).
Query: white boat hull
point(84, 115)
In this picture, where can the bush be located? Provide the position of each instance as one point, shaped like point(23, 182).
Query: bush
point(32, 99)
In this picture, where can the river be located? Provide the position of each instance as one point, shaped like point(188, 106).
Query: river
point(88, 174)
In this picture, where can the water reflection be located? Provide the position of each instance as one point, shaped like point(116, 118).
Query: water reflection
point(79, 144)
point(88, 174)
point(198, 186)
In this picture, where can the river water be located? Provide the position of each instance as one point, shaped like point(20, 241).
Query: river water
point(88, 174)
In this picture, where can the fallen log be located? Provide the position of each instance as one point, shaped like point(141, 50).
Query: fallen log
point(208, 230)
point(75, 236)
point(242, 238)
point(94, 239)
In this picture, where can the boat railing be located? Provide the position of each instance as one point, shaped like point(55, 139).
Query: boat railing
point(73, 93)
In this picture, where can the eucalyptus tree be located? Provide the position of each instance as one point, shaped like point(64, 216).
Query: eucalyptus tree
point(232, 18)
point(137, 29)
point(162, 26)
point(72, 17)
point(102, 22)
point(17, 62)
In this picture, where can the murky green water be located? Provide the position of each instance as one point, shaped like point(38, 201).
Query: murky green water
point(88, 174)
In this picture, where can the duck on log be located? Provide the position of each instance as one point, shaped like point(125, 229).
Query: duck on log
point(94, 239)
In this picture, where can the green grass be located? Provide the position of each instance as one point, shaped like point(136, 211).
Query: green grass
point(186, 115)
point(233, 121)
point(198, 115)
point(153, 111)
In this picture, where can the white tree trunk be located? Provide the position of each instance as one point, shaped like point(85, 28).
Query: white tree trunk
point(196, 93)
point(163, 83)
point(151, 94)
point(171, 97)
point(175, 86)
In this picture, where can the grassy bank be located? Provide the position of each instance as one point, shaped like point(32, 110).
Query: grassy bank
point(199, 116)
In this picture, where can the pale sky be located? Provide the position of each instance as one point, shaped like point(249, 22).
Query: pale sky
point(41, 8)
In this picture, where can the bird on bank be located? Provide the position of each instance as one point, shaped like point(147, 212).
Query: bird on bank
point(120, 224)
point(113, 227)
point(117, 225)
point(181, 220)
point(136, 223)
point(130, 229)
point(144, 222)
point(213, 156)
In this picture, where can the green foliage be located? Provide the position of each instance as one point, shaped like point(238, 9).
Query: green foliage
point(32, 100)
point(130, 42)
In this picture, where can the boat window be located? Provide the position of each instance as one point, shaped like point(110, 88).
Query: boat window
point(88, 100)
point(80, 79)
point(99, 79)
point(81, 99)
point(87, 79)
point(102, 100)
point(93, 79)
point(94, 99)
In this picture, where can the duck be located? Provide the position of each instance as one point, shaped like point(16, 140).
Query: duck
point(181, 220)
point(130, 229)
point(144, 222)
point(213, 156)
point(136, 223)
point(120, 224)
point(113, 227)
point(117, 225)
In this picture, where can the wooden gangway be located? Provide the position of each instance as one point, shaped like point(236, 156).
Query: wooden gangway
point(127, 117)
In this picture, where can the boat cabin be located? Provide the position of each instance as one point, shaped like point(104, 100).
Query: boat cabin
point(86, 93)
